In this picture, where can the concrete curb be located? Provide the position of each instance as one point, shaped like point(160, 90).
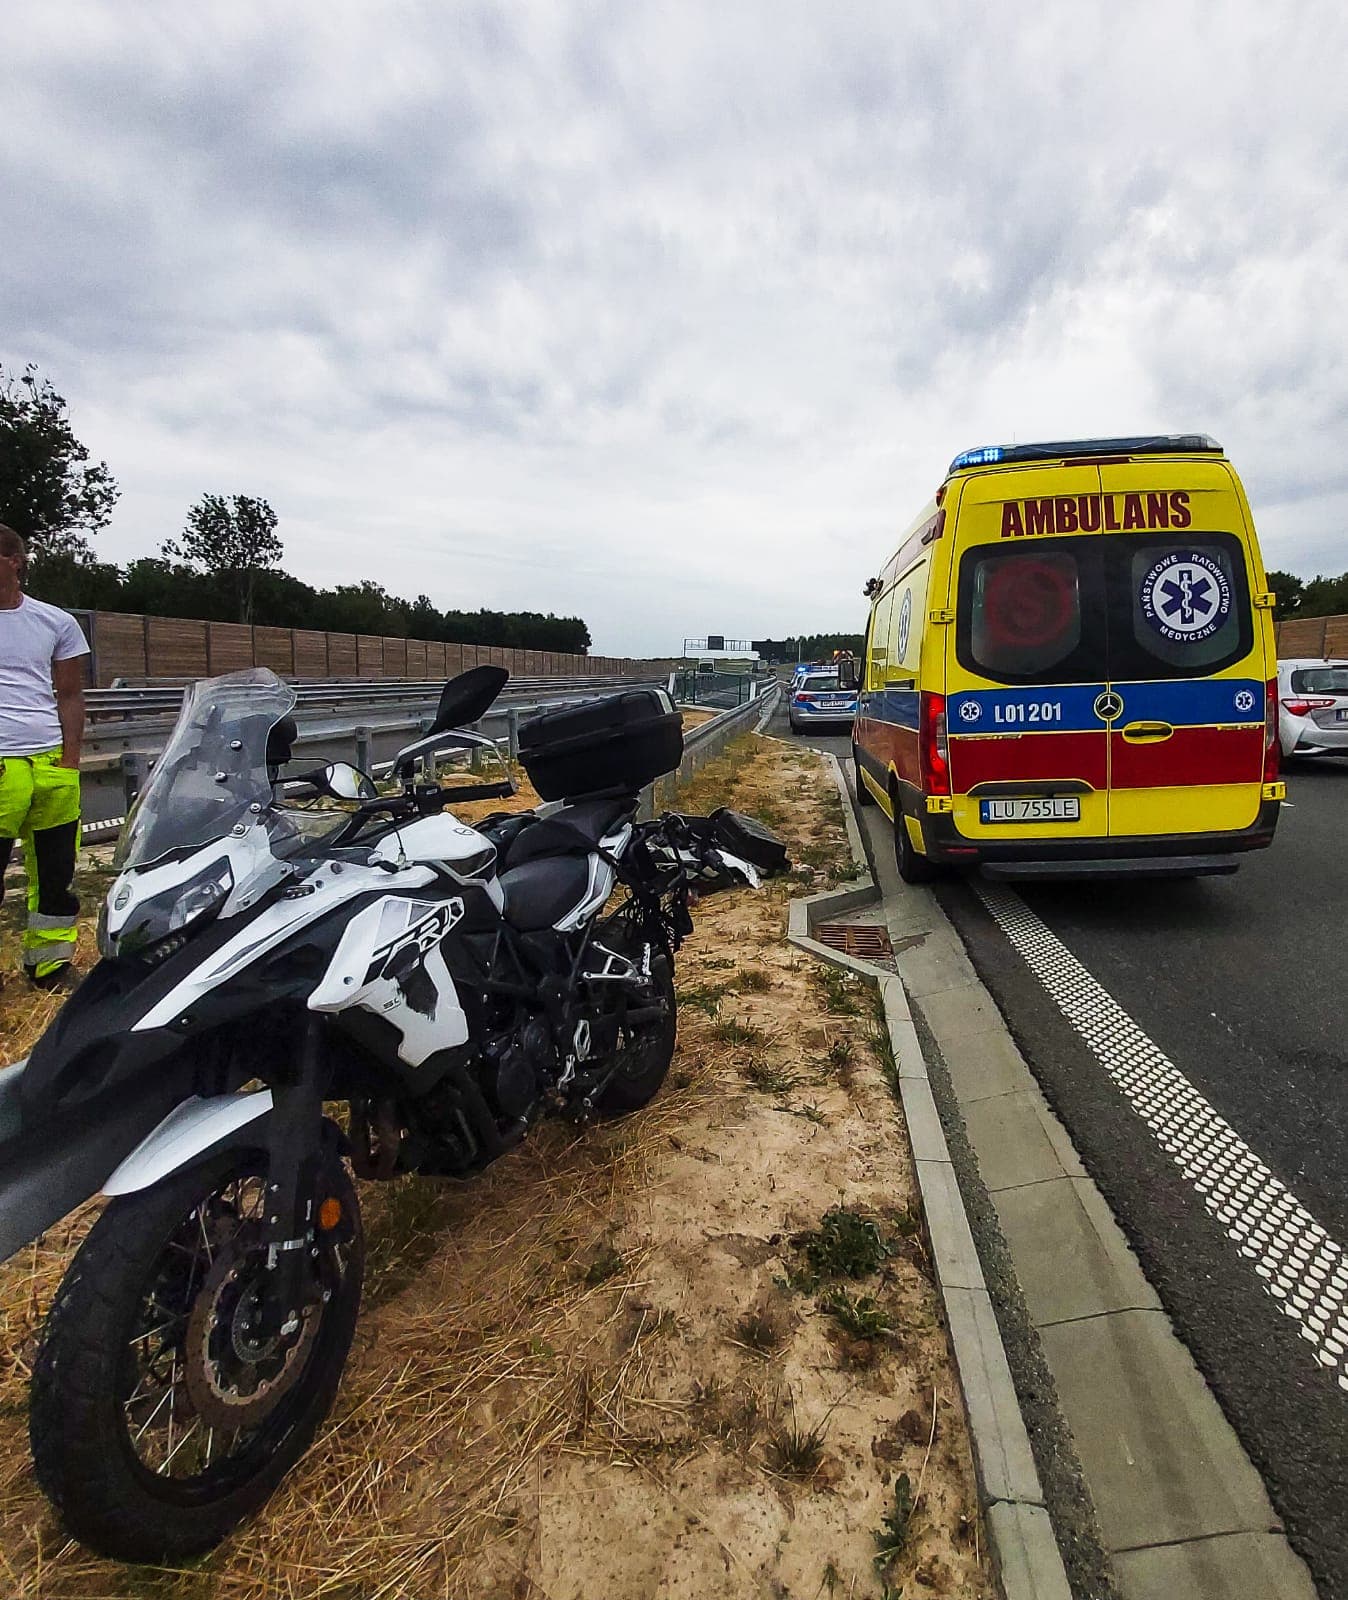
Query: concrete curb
point(1029, 1564)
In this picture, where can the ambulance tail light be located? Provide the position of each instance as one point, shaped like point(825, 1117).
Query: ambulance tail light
point(1303, 707)
point(1272, 749)
point(933, 746)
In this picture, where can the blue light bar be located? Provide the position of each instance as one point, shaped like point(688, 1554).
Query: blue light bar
point(1149, 444)
point(983, 456)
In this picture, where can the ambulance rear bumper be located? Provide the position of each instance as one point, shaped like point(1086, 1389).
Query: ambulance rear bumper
point(1157, 855)
point(1119, 867)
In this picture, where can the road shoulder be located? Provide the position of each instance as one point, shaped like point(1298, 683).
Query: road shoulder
point(1022, 1534)
point(1181, 1509)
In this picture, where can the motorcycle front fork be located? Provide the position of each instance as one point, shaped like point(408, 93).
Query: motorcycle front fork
point(294, 1157)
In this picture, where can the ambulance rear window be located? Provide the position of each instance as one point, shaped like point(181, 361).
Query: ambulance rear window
point(1023, 616)
point(1091, 609)
point(1177, 610)
point(1320, 680)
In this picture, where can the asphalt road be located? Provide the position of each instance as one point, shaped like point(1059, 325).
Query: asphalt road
point(1238, 980)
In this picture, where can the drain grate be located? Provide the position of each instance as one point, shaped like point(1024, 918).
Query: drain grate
point(866, 940)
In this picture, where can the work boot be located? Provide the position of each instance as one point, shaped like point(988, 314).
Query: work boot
point(62, 980)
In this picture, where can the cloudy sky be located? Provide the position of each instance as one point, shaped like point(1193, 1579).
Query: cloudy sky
point(669, 315)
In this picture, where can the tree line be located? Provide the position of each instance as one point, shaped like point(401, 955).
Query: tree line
point(1309, 597)
point(809, 646)
point(225, 565)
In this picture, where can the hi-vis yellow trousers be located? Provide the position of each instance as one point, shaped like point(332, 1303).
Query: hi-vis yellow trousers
point(40, 804)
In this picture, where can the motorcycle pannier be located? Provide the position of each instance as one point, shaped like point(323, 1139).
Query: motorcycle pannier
point(749, 840)
point(622, 741)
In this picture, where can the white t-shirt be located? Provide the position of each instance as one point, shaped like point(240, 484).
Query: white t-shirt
point(32, 636)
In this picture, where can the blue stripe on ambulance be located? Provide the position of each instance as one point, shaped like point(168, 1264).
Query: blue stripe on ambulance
point(1061, 708)
point(895, 706)
point(1070, 708)
point(1191, 702)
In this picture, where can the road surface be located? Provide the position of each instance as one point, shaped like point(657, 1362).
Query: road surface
point(1234, 986)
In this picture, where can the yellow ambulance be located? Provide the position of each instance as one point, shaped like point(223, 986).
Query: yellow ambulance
point(1070, 667)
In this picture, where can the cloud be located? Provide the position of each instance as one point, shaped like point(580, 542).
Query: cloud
point(669, 317)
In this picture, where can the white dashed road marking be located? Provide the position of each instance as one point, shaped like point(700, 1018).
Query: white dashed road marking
point(1296, 1260)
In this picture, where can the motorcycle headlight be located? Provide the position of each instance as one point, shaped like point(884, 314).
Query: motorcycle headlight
point(173, 910)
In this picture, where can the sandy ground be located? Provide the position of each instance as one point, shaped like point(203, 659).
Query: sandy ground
point(607, 1367)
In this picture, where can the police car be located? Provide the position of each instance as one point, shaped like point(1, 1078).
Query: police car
point(817, 698)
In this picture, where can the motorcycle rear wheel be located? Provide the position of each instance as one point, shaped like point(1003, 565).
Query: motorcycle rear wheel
point(148, 1355)
point(644, 1052)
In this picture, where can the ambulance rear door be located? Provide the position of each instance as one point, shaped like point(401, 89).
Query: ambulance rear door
point(1186, 651)
point(1026, 658)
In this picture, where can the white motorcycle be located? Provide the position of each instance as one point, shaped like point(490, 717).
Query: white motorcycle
point(302, 979)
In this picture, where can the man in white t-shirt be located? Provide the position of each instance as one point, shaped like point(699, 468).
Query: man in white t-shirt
point(41, 725)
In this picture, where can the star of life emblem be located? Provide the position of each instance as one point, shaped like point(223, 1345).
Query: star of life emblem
point(1185, 597)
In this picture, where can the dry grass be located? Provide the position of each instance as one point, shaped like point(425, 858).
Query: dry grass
point(578, 1375)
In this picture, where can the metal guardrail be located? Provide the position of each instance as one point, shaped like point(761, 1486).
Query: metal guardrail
point(713, 688)
point(701, 744)
point(367, 731)
point(166, 700)
point(705, 742)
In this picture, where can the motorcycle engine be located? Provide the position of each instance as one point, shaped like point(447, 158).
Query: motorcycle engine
point(521, 1064)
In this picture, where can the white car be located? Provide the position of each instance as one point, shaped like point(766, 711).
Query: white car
point(1313, 708)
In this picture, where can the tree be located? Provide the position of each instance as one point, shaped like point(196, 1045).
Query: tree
point(1288, 590)
point(80, 585)
point(1324, 596)
point(232, 541)
point(50, 492)
point(809, 646)
point(364, 607)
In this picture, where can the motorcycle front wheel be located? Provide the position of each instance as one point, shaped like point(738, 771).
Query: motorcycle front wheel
point(159, 1416)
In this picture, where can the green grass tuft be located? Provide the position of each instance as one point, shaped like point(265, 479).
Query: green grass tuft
point(860, 1316)
point(844, 1245)
point(606, 1264)
point(794, 1450)
point(893, 1534)
point(730, 1030)
point(767, 1077)
point(703, 997)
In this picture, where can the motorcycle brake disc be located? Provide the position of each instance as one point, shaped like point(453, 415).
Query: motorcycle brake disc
point(234, 1379)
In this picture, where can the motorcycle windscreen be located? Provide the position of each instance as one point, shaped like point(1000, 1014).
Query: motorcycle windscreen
point(213, 773)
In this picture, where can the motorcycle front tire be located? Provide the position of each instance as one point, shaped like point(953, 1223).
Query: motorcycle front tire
point(85, 1458)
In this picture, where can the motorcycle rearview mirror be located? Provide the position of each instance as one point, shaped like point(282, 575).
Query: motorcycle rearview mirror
point(338, 779)
point(469, 696)
point(345, 782)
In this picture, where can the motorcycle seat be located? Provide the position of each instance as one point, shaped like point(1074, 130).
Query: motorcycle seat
point(539, 893)
point(574, 830)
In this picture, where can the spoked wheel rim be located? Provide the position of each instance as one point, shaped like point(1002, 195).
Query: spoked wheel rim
point(641, 1045)
point(203, 1395)
point(637, 1049)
